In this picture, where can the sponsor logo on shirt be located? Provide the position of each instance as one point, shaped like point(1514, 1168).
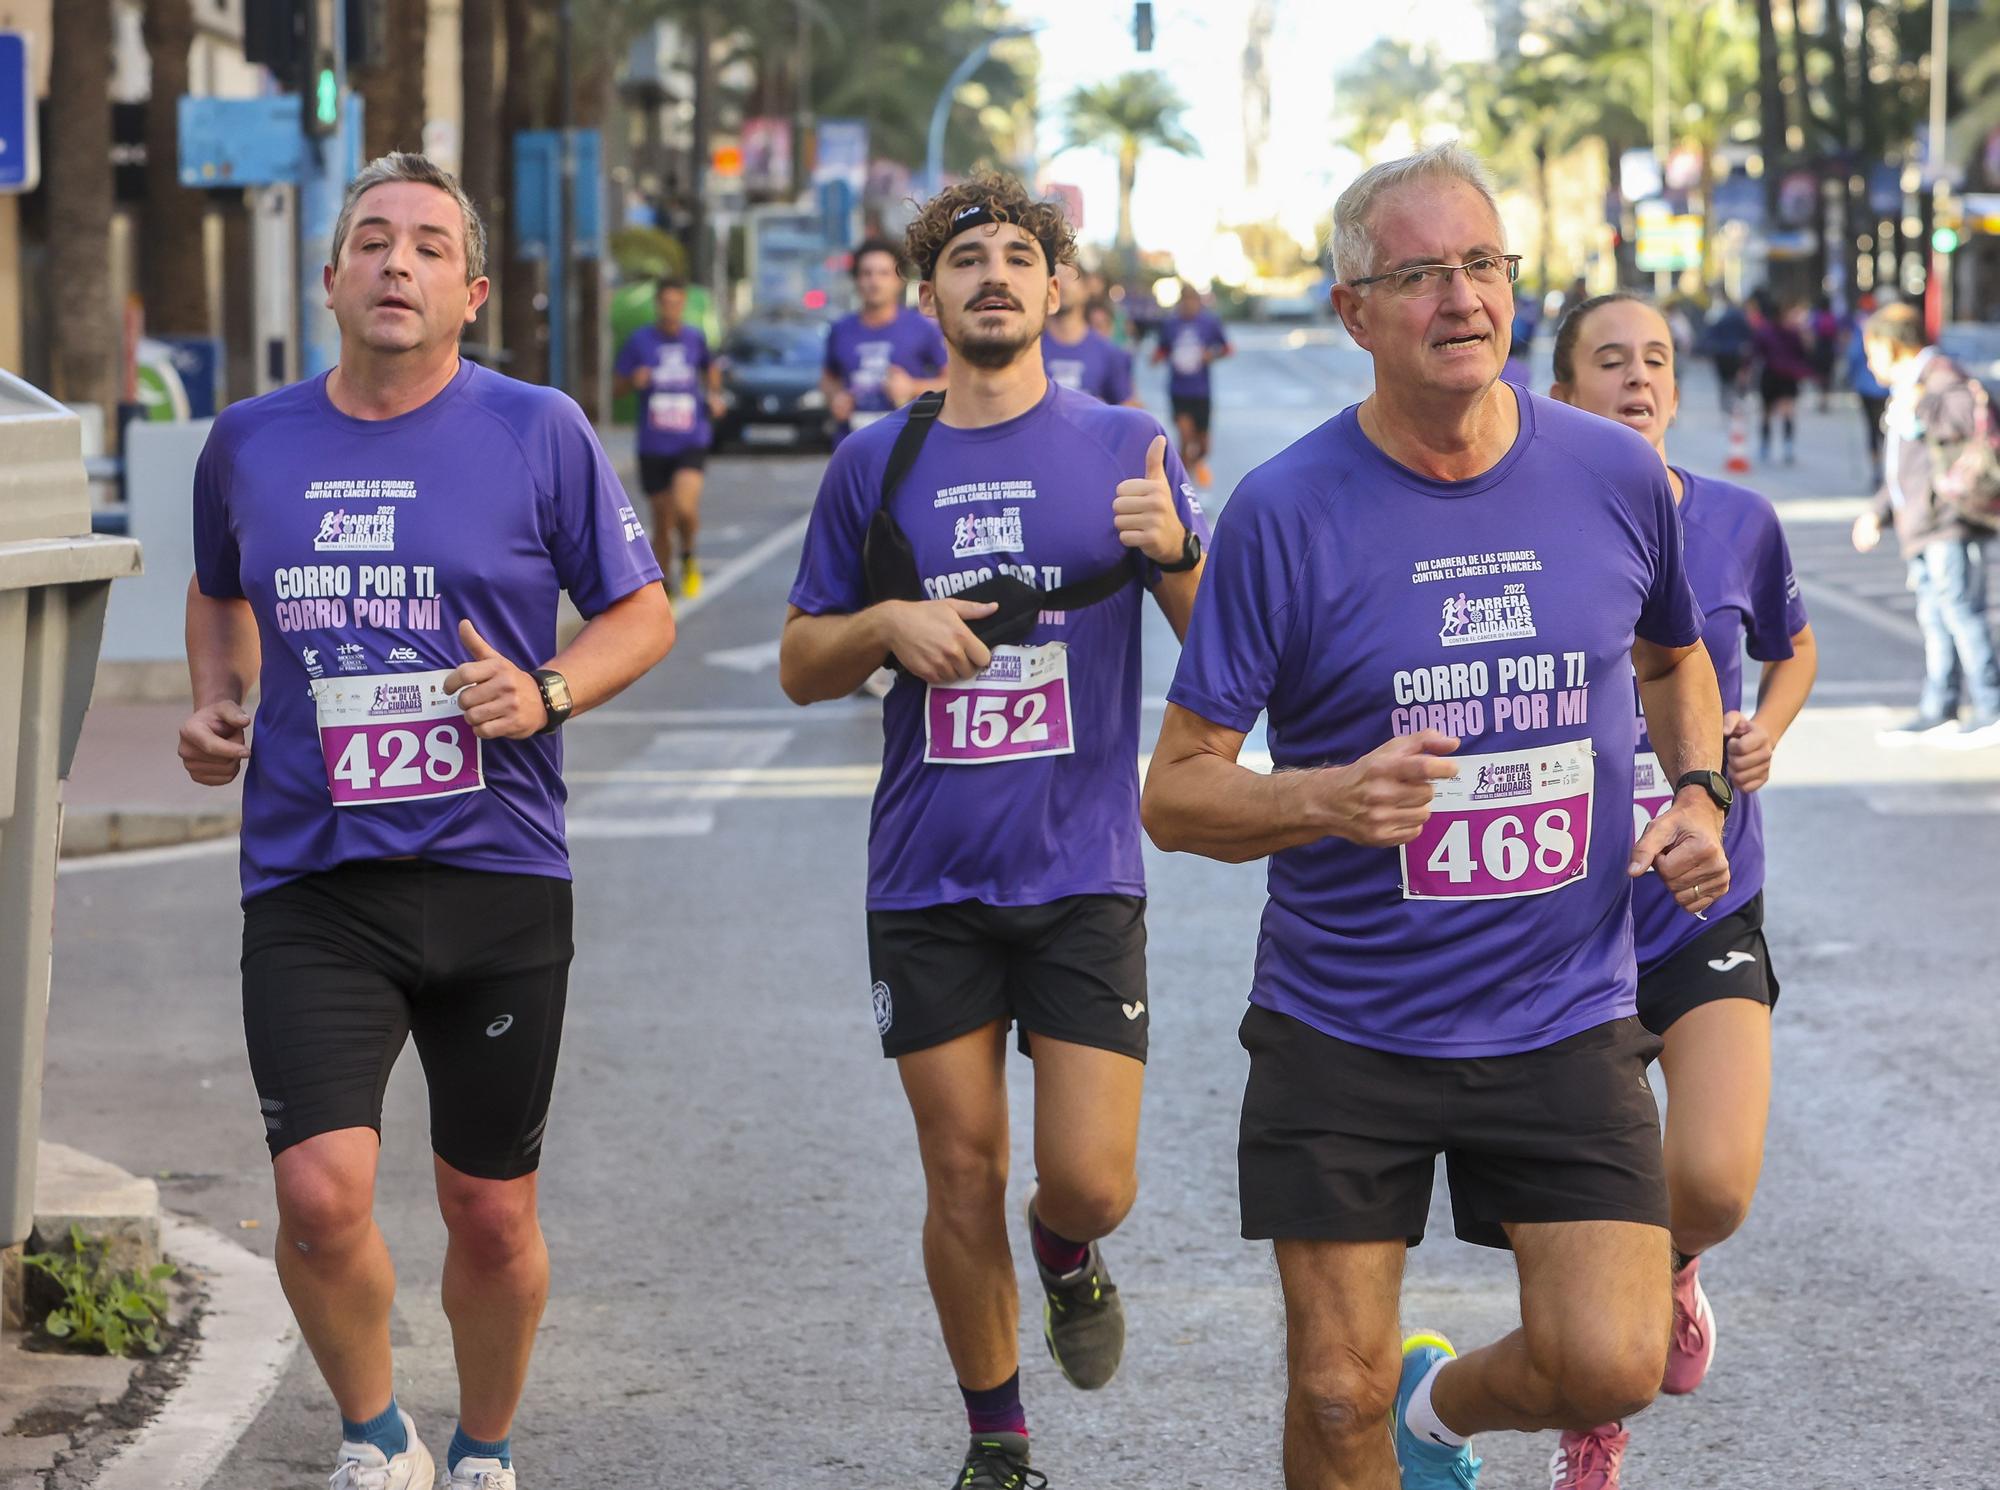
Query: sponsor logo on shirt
point(396, 698)
point(1193, 498)
point(1502, 780)
point(986, 534)
point(341, 531)
point(885, 1008)
point(310, 655)
point(1066, 372)
point(1487, 618)
point(353, 657)
point(629, 521)
point(1646, 780)
point(403, 654)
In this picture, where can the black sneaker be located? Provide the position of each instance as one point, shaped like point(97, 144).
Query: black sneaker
point(999, 1461)
point(1082, 1319)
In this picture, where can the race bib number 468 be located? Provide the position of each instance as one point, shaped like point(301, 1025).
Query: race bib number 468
point(1509, 824)
point(1015, 710)
point(395, 737)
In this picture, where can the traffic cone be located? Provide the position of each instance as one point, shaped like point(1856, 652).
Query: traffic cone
point(1739, 443)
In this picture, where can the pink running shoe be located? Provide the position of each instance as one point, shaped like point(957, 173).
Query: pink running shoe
point(1693, 1348)
point(1589, 1461)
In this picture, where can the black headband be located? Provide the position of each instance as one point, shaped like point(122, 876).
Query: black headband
point(978, 215)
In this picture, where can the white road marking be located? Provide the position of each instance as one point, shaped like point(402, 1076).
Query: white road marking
point(139, 858)
point(656, 796)
point(734, 572)
point(752, 659)
point(1902, 627)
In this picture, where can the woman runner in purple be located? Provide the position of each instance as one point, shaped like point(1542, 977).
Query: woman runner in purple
point(1705, 987)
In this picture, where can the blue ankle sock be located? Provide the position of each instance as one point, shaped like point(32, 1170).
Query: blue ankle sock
point(464, 1446)
point(384, 1430)
point(996, 1409)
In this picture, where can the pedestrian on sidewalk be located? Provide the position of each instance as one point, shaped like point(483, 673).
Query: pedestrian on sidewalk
point(1869, 389)
point(1726, 340)
point(1936, 414)
point(379, 553)
point(1442, 599)
point(1782, 366)
point(997, 541)
point(1705, 986)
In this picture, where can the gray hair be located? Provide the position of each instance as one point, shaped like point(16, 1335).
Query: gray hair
point(407, 165)
point(1352, 244)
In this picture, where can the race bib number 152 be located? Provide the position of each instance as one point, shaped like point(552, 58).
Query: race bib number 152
point(1015, 710)
point(1509, 824)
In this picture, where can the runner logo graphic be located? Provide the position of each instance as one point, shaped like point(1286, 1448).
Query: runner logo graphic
point(1487, 618)
point(397, 698)
point(972, 534)
point(341, 531)
point(1502, 780)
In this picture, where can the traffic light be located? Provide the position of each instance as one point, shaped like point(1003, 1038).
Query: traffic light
point(319, 98)
point(367, 24)
point(278, 34)
point(1142, 25)
point(1945, 240)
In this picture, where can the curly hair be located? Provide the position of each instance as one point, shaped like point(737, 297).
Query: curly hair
point(1007, 201)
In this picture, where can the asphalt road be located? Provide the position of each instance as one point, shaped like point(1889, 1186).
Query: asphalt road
point(732, 1196)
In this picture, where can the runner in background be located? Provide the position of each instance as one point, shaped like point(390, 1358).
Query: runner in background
point(1005, 880)
point(883, 355)
point(679, 384)
point(1075, 356)
point(1190, 340)
point(1103, 319)
point(1706, 988)
point(1782, 366)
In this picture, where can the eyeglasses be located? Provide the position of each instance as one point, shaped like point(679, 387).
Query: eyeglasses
point(1421, 280)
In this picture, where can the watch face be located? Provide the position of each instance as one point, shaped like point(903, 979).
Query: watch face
point(555, 688)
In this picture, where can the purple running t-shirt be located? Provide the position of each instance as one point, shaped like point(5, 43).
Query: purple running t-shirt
point(360, 545)
point(1092, 365)
point(861, 355)
point(1741, 570)
point(1021, 787)
point(673, 407)
point(1352, 600)
point(1188, 340)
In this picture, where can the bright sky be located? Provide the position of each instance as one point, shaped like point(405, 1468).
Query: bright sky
point(1198, 44)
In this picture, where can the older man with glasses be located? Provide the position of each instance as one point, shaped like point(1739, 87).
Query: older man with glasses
point(1442, 598)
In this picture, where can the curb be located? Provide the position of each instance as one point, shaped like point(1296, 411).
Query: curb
point(89, 832)
point(247, 1340)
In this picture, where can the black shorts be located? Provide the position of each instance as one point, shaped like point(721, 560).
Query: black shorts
point(339, 967)
point(1340, 1142)
point(1194, 409)
point(1729, 960)
point(1776, 387)
point(1074, 969)
point(657, 472)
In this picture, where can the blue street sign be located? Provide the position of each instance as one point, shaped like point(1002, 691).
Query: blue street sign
point(239, 141)
point(538, 193)
point(20, 151)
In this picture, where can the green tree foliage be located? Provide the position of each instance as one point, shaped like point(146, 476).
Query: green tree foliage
point(1126, 116)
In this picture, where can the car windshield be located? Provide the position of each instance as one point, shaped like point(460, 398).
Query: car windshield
point(774, 343)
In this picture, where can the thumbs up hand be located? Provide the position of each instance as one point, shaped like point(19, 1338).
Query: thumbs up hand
point(1143, 510)
point(499, 700)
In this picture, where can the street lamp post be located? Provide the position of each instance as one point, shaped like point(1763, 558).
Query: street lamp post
point(934, 154)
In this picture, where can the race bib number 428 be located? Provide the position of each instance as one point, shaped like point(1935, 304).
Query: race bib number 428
point(395, 737)
point(1509, 824)
point(1017, 709)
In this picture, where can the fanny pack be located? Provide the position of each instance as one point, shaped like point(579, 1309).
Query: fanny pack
point(890, 562)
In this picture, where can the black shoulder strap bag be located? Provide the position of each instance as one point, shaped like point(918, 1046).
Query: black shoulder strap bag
point(891, 563)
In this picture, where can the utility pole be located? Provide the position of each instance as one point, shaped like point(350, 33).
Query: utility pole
point(325, 166)
point(1663, 279)
point(562, 326)
point(1937, 288)
point(699, 232)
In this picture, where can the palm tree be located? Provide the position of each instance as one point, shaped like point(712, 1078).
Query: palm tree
point(1522, 117)
point(173, 270)
point(1128, 114)
point(393, 89)
point(78, 183)
point(1390, 86)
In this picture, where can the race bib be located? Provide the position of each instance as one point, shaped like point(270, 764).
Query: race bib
point(395, 737)
point(1652, 793)
point(1189, 358)
point(1014, 711)
point(673, 413)
point(1510, 824)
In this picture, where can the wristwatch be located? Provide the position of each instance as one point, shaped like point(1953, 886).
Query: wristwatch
point(1190, 555)
point(1714, 783)
point(555, 698)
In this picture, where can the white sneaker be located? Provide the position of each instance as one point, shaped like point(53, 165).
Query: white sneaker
point(1980, 736)
point(481, 1474)
point(363, 1467)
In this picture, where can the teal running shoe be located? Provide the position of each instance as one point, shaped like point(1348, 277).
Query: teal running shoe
point(1425, 1465)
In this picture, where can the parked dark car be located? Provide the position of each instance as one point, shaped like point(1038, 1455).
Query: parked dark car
point(770, 381)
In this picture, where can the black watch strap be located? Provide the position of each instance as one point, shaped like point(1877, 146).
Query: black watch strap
point(1190, 555)
point(1713, 782)
point(555, 698)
